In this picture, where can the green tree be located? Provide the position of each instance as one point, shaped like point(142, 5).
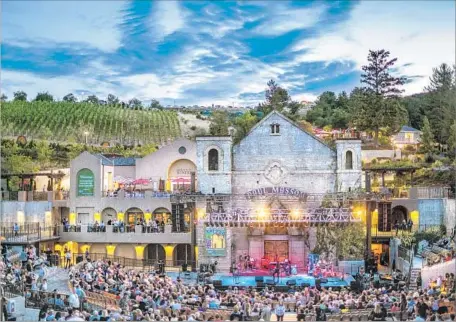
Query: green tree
point(112, 99)
point(20, 96)
point(330, 110)
point(70, 98)
point(277, 98)
point(441, 101)
point(155, 104)
point(3, 98)
point(93, 99)
point(44, 154)
point(452, 139)
point(377, 105)
point(19, 164)
point(427, 137)
point(44, 97)
point(243, 124)
point(135, 103)
point(219, 124)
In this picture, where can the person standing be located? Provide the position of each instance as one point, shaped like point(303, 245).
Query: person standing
point(16, 229)
point(67, 259)
point(280, 311)
point(266, 312)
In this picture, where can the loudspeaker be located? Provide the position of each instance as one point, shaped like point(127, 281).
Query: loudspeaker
point(259, 279)
point(184, 267)
point(305, 285)
point(318, 284)
point(217, 283)
point(323, 280)
point(270, 283)
point(79, 259)
point(291, 283)
point(260, 284)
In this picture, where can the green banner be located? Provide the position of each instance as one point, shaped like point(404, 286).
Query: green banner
point(86, 183)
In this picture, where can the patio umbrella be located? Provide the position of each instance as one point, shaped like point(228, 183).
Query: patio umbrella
point(141, 181)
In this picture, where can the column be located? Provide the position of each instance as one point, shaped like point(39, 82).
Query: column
point(139, 250)
point(169, 249)
point(110, 249)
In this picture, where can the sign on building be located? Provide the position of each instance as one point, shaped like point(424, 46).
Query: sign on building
point(215, 241)
point(86, 183)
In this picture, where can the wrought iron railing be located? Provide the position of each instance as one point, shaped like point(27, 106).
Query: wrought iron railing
point(28, 233)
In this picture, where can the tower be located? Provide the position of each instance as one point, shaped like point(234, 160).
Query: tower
point(213, 155)
point(349, 168)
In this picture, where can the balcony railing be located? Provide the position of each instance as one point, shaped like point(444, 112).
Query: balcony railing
point(40, 195)
point(391, 232)
point(137, 229)
point(134, 195)
point(10, 195)
point(28, 233)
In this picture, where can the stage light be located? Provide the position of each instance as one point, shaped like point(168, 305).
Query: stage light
point(295, 214)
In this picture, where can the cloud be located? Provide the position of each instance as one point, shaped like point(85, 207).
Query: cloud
point(420, 34)
point(167, 17)
point(285, 19)
point(46, 23)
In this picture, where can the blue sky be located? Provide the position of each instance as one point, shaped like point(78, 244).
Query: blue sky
point(204, 52)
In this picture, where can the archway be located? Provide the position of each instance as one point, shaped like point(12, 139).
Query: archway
point(108, 215)
point(179, 175)
point(162, 214)
point(155, 252)
point(399, 214)
point(133, 216)
point(182, 254)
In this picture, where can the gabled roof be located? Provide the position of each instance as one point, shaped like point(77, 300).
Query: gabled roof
point(406, 128)
point(264, 119)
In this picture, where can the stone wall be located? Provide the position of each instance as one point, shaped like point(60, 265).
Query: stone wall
point(292, 158)
point(210, 181)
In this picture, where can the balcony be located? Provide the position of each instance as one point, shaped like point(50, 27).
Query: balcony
point(129, 234)
point(390, 232)
point(59, 197)
point(28, 233)
point(122, 194)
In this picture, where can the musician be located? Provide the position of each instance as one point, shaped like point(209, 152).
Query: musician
point(276, 272)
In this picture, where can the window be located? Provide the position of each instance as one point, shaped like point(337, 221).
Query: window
point(275, 128)
point(349, 160)
point(213, 160)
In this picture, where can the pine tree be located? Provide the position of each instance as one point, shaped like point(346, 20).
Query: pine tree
point(427, 137)
point(452, 139)
point(377, 105)
point(441, 101)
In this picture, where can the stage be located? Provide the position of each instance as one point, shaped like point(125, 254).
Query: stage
point(254, 278)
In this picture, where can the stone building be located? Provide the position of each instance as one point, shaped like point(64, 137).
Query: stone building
point(276, 160)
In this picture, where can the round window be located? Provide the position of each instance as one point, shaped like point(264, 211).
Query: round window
point(182, 150)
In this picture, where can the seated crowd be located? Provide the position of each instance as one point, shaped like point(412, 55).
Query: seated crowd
point(146, 296)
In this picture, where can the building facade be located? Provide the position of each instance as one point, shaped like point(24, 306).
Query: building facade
point(267, 174)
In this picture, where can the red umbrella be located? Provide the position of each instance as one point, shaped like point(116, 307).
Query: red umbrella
point(140, 181)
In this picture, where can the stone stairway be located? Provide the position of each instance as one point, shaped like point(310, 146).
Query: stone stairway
point(415, 273)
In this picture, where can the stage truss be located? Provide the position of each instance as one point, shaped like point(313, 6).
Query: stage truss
point(280, 216)
point(240, 210)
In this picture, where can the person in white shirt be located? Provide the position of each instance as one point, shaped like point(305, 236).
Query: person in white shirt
point(73, 300)
point(44, 285)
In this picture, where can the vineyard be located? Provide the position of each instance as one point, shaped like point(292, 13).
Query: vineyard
point(85, 122)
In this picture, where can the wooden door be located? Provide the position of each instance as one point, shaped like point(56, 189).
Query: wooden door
point(276, 247)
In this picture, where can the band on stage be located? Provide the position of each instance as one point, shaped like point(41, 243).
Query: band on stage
point(278, 267)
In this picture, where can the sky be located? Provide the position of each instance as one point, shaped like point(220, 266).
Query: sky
point(214, 52)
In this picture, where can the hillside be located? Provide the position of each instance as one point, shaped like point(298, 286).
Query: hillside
point(76, 122)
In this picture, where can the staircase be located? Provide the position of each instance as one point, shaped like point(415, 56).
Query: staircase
point(414, 274)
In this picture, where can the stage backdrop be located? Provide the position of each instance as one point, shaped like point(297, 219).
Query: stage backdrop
point(216, 241)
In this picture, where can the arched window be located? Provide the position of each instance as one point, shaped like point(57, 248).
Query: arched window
point(349, 160)
point(213, 160)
